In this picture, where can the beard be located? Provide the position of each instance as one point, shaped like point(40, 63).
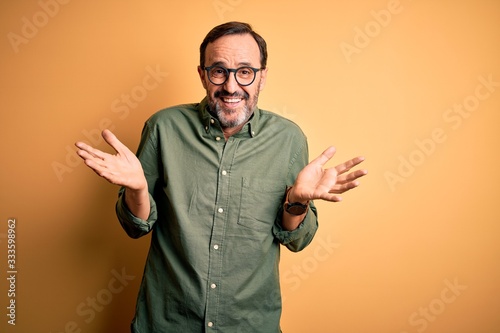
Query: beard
point(230, 118)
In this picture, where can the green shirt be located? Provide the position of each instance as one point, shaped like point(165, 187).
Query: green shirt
point(216, 209)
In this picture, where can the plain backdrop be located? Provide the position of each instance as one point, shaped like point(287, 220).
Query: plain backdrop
point(414, 86)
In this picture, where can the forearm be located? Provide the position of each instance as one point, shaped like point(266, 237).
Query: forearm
point(292, 222)
point(297, 239)
point(138, 202)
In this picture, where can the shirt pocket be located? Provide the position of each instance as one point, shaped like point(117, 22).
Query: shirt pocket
point(260, 201)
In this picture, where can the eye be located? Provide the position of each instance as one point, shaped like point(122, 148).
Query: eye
point(245, 71)
point(218, 72)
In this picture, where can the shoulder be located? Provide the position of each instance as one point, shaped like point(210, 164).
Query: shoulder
point(174, 113)
point(280, 123)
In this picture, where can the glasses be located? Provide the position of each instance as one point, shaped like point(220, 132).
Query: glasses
point(245, 76)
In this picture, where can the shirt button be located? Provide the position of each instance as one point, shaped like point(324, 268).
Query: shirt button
point(220, 210)
point(216, 246)
point(212, 121)
point(210, 324)
point(224, 172)
point(213, 286)
point(217, 138)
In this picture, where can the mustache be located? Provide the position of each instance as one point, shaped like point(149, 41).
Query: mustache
point(225, 93)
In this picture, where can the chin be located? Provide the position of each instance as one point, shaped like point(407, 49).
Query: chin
point(229, 122)
point(232, 117)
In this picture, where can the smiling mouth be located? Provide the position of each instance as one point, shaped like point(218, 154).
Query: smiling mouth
point(231, 100)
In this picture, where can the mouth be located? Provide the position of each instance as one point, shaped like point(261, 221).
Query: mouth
point(231, 101)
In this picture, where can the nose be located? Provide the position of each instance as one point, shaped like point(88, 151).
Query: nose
point(231, 86)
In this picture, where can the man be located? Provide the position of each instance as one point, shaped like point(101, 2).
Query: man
point(221, 184)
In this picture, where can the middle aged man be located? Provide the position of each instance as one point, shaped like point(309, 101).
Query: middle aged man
point(221, 184)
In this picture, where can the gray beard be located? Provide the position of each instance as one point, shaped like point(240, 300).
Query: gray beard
point(242, 118)
point(220, 113)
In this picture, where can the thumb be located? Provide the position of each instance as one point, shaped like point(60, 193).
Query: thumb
point(112, 140)
point(325, 156)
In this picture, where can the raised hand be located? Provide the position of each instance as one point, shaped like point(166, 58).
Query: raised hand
point(316, 182)
point(122, 169)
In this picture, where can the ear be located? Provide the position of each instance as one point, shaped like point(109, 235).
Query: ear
point(263, 78)
point(202, 73)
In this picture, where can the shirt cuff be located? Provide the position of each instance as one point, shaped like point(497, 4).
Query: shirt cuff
point(134, 226)
point(296, 240)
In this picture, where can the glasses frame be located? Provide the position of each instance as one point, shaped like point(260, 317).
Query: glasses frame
point(232, 70)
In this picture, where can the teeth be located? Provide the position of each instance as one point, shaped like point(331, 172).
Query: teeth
point(232, 100)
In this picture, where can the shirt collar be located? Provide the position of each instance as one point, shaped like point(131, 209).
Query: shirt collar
point(250, 129)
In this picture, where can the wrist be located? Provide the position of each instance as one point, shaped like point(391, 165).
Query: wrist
point(138, 186)
point(136, 191)
point(137, 196)
point(292, 207)
point(137, 202)
point(291, 197)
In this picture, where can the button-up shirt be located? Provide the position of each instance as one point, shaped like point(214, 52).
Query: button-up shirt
point(215, 217)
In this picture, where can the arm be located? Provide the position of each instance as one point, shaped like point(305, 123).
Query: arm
point(314, 182)
point(123, 169)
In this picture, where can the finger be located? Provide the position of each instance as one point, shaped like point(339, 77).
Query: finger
point(331, 197)
point(351, 176)
point(97, 167)
point(96, 153)
point(82, 146)
point(113, 141)
point(101, 168)
point(346, 166)
point(325, 156)
point(96, 162)
point(85, 155)
point(342, 188)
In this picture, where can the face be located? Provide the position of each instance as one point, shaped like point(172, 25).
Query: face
point(231, 103)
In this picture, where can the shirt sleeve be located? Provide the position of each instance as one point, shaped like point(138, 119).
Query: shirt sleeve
point(296, 240)
point(135, 227)
point(147, 153)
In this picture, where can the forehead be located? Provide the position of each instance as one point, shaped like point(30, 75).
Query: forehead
point(233, 50)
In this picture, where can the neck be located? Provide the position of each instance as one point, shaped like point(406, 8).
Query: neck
point(229, 131)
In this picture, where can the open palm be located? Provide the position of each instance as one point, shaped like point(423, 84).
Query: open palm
point(123, 168)
point(316, 182)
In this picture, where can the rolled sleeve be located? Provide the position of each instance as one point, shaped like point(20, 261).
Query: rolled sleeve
point(296, 240)
point(135, 227)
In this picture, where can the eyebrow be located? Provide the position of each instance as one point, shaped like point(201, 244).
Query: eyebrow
point(240, 64)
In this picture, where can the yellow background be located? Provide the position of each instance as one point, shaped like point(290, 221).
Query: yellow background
point(415, 248)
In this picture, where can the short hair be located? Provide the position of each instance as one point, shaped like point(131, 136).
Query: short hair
point(234, 28)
